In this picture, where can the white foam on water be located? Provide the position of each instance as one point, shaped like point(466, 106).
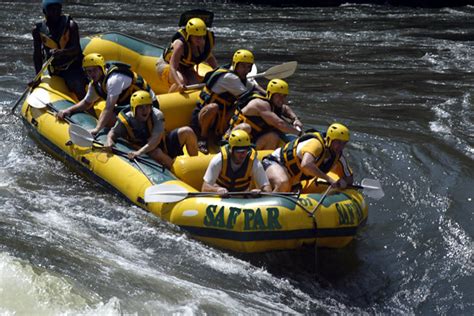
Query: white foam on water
point(453, 123)
point(459, 248)
point(281, 297)
point(438, 127)
point(443, 118)
point(456, 11)
point(29, 290)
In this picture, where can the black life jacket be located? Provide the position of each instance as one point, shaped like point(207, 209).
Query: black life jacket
point(188, 60)
point(138, 83)
point(257, 123)
point(58, 40)
point(208, 96)
point(225, 100)
point(134, 134)
point(239, 180)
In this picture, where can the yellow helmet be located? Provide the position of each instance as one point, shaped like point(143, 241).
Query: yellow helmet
point(196, 27)
point(277, 86)
point(93, 60)
point(139, 98)
point(337, 131)
point(242, 56)
point(239, 138)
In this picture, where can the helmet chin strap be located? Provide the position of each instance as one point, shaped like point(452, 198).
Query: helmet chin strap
point(327, 142)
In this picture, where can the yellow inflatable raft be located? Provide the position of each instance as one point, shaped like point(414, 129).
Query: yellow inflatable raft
point(239, 223)
point(142, 56)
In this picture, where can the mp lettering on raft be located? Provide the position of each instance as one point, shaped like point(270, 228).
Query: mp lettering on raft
point(254, 219)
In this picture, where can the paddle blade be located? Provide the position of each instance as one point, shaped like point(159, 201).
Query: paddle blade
point(280, 71)
point(34, 102)
point(252, 74)
point(80, 136)
point(165, 193)
point(372, 188)
point(38, 99)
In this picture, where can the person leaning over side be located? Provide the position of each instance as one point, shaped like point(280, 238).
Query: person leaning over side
point(144, 125)
point(263, 117)
point(311, 155)
point(190, 46)
point(216, 101)
point(235, 167)
point(112, 82)
point(57, 36)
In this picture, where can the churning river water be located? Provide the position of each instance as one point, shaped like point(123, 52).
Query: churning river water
point(401, 78)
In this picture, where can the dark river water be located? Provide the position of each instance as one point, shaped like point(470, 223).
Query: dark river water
point(401, 78)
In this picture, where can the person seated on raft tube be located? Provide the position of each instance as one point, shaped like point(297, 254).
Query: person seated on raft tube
point(143, 125)
point(234, 168)
point(114, 83)
point(190, 46)
point(311, 155)
point(58, 36)
point(224, 86)
point(262, 117)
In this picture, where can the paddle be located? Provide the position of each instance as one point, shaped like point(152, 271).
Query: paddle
point(39, 99)
point(312, 214)
point(35, 101)
point(320, 202)
point(370, 187)
point(168, 193)
point(279, 71)
point(83, 138)
point(28, 89)
point(253, 72)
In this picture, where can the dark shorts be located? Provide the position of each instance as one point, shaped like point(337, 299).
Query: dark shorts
point(195, 120)
point(75, 79)
point(173, 147)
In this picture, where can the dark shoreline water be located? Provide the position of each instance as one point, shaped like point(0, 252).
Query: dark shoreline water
point(400, 78)
point(332, 3)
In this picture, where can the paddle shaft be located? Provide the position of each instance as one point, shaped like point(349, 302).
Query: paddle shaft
point(66, 118)
point(37, 77)
point(125, 155)
point(142, 171)
point(370, 187)
point(171, 196)
point(280, 71)
point(320, 201)
point(229, 193)
point(352, 186)
point(202, 85)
